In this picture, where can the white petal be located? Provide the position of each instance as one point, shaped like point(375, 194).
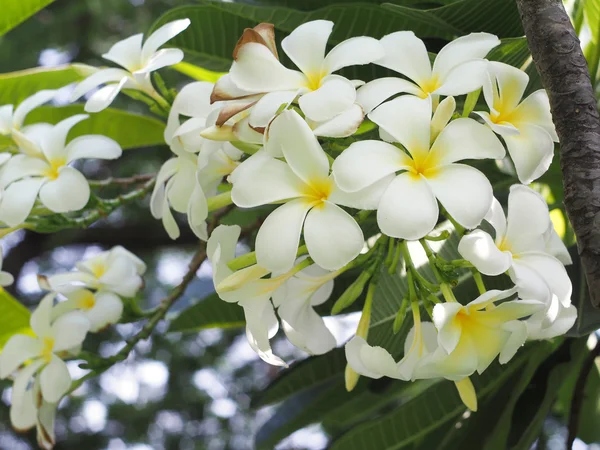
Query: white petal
point(21, 166)
point(465, 139)
point(69, 192)
point(197, 213)
point(531, 151)
point(23, 403)
point(180, 187)
point(45, 427)
point(535, 109)
point(408, 208)
point(530, 283)
point(518, 336)
point(106, 311)
point(372, 362)
point(6, 279)
point(53, 143)
point(69, 330)
point(278, 237)
point(103, 97)
point(527, 220)
point(55, 380)
point(553, 273)
point(502, 128)
point(306, 45)
point(167, 170)
point(163, 58)
point(511, 85)
point(480, 250)
point(161, 36)
point(96, 79)
point(226, 89)
point(18, 200)
point(126, 53)
point(265, 109)
point(256, 69)
point(335, 95)
point(6, 119)
point(495, 216)
point(449, 329)
point(332, 236)
point(300, 147)
point(193, 99)
point(19, 349)
point(352, 52)
point(406, 54)
point(464, 78)
point(121, 277)
point(40, 318)
point(367, 198)
point(556, 247)
point(342, 125)
point(93, 146)
point(260, 320)
point(463, 49)
point(260, 180)
point(564, 321)
point(29, 104)
point(377, 91)
point(464, 191)
point(407, 119)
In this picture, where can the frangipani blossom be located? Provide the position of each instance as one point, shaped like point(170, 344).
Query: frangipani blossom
point(519, 249)
point(53, 338)
point(116, 270)
point(312, 197)
point(295, 301)
point(458, 68)
point(102, 308)
point(408, 208)
point(12, 120)
point(6, 279)
point(322, 95)
point(526, 126)
point(471, 336)
point(61, 188)
point(138, 60)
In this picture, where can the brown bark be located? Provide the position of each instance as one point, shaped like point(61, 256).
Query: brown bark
point(563, 69)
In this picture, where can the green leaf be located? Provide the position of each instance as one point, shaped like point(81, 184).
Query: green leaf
point(589, 417)
point(13, 12)
point(128, 129)
point(591, 13)
point(17, 86)
point(210, 312)
point(14, 317)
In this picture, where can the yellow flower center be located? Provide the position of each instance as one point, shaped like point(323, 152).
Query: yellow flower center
point(98, 270)
point(47, 347)
point(318, 191)
point(504, 246)
point(55, 165)
point(86, 301)
point(429, 86)
point(423, 163)
point(314, 80)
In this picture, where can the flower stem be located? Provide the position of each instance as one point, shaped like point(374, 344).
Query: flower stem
point(219, 201)
point(479, 282)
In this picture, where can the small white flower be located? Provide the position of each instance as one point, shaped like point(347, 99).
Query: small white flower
point(520, 248)
point(312, 197)
point(6, 279)
point(409, 206)
point(61, 188)
point(116, 270)
point(138, 60)
point(458, 68)
point(102, 308)
point(526, 126)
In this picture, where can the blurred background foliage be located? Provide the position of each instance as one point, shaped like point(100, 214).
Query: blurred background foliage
point(202, 387)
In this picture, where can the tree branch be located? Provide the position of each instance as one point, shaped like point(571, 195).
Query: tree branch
point(558, 57)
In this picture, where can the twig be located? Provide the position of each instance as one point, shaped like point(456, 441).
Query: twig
point(122, 181)
point(578, 394)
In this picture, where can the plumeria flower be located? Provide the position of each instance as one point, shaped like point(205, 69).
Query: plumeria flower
point(60, 187)
point(6, 279)
point(261, 322)
point(116, 270)
point(102, 308)
point(526, 126)
point(321, 94)
point(295, 302)
point(332, 236)
point(408, 209)
point(138, 60)
point(458, 68)
point(519, 249)
point(12, 120)
point(53, 339)
point(471, 336)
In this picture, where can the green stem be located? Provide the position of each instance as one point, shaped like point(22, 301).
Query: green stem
point(471, 102)
point(395, 260)
point(445, 234)
point(219, 201)
point(249, 259)
point(390, 252)
point(479, 282)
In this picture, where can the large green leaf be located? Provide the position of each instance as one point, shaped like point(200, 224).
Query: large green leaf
point(210, 312)
point(13, 12)
point(17, 86)
point(14, 317)
point(128, 129)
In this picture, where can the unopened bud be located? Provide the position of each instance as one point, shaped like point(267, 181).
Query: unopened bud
point(352, 292)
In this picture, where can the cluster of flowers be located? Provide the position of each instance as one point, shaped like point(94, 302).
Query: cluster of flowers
point(90, 300)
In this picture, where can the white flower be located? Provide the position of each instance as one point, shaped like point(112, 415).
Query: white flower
point(458, 67)
point(520, 248)
point(322, 95)
point(12, 119)
point(295, 301)
point(116, 270)
point(6, 279)
point(470, 337)
point(332, 236)
point(52, 339)
point(138, 61)
point(526, 126)
point(261, 322)
point(102, 308)
point(408, 209)
point(61, 188)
